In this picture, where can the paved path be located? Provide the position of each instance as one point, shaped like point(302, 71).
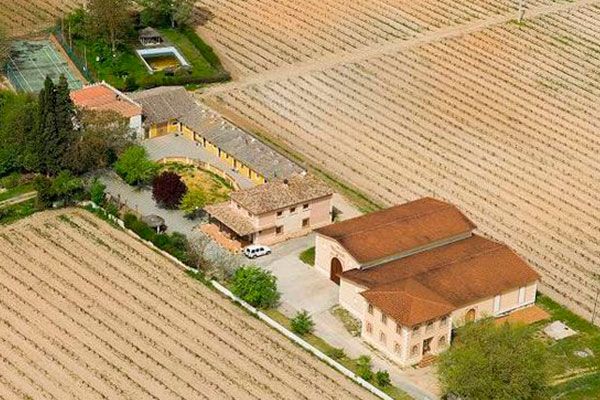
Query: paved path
point(141, 200)
point(18, 199)
point(304, 288)
point(175, 145)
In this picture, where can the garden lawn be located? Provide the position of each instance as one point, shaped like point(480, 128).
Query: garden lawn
point(16, 191)
point(575, 378)
point(16, 212)
point(201, 66)
point(308, 256)
point(127, 63)
point(212, 185)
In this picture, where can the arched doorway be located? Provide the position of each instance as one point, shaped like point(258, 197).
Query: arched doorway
point(335, 270)
point(470, 317)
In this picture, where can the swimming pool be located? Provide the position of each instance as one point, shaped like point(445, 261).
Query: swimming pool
point(158, 59)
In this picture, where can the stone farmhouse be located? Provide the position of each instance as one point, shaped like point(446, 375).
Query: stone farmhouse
point(274, 211)
point(411, 273)
point(172, 110)
point(104, 97)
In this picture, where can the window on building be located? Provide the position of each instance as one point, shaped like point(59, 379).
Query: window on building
point(278, 230)
point(279, 213)
point(292, 210)
point(305, 206)
point(398, 329)
point(429, 327)
point(369, 327)
point(306, 222)
point(414, 351)
point(397, 348)
point(442, 342)
point(383, 318)
point(370, 309)
point(444, 321)
point(382, 337)
point(416, 329)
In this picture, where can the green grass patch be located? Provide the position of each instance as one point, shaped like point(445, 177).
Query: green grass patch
point(14, 213)
point(16, 191)
point(126, 70)
point(308, 256)
point(575, 377)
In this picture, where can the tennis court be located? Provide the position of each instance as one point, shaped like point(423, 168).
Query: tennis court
point(31, 61)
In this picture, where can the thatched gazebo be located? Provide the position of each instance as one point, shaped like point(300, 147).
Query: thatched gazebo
point(150, 36)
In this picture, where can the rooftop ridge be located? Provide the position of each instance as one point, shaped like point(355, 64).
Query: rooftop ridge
point(410, 217)
point(495, 246)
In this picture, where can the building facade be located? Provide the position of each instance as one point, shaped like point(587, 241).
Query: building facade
point(172, 110)
point(104, 97)
point(413, 272)
point(274, 211)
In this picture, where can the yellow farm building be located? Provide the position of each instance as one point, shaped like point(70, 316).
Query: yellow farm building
point(172, 110)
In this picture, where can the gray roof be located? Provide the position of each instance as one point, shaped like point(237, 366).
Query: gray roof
point(281, 193)
point(149, 33)
point(167, 103)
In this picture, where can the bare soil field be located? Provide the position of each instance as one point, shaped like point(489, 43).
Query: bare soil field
point(88, 312)
point(499, 118)
point(22, 17)
point(258, 35)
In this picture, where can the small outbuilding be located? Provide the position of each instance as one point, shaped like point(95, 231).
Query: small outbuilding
point(150, 37)
point(155, 222)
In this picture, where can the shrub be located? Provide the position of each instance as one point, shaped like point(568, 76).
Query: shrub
point(97, 192)
point(11, 181)
point(255, 286)
point(175, 243)
point(43, 186)
point(336, 353)
point(382, 379)
point(168, 189)
point(135, 167)
point(194, 199)
point(128, 220)
point(363, 368)
point(302, 323)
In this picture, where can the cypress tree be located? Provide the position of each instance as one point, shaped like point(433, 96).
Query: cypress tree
point(64, 106)
point(54, 130)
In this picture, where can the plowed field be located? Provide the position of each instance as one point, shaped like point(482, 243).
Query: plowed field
point(500, 118)
point(87, 312)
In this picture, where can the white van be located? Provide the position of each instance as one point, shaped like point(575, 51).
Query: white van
point(256, 250)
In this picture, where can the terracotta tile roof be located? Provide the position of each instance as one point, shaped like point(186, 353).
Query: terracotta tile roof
point(104, 98)
point(233, 219)
point(281, 193)
point(408, 302)
point(455, 274)
point(399, 229)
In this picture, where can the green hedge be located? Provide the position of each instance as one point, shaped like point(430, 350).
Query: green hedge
point(175, 243)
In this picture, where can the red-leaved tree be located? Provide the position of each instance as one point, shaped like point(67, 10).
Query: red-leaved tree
point(168, 190)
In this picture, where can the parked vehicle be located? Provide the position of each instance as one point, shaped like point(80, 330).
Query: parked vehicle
point(256, 250)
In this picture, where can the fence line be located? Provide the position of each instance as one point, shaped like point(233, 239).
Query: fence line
point(301, 342)
point(271, 322)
